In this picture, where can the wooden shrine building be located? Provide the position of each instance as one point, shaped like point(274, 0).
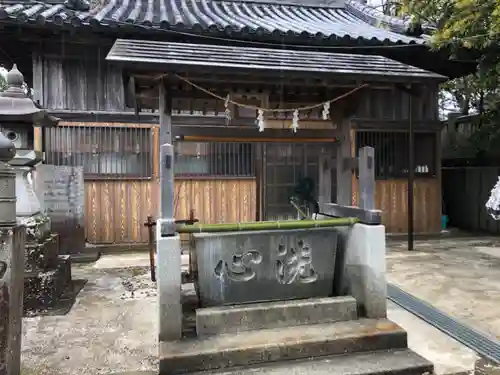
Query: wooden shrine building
point(117, 72)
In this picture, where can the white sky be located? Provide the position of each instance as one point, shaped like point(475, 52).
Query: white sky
point(375, 2)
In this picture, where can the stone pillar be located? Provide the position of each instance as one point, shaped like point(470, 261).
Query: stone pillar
point(344, 165)
point(366, 182)
point(168, 263)
point(12, 238)
point(325, 176)
point(168, 250)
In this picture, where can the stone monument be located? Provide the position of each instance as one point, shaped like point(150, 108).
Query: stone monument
point(47, 273)
point(11, 266)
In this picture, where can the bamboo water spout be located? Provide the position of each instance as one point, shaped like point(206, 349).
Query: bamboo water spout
point(266, 225)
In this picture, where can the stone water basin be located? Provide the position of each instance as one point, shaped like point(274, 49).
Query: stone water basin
point(258, 266)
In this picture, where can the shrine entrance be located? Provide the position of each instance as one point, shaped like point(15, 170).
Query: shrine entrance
point(249, 180)
point(285, 166)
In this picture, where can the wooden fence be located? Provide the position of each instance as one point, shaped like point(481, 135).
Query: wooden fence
point(465, 192)
point(391, 197)
point(121, 172)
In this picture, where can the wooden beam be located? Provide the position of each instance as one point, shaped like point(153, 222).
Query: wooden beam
point(165, 105)
point(107, 124)
point(276, 94)
point(232, 80)
point(243, 133)
point(106, 117)
point(396, 125)
point(198, 72)
point(262, 78)
point(194, 138)
point(146, 118)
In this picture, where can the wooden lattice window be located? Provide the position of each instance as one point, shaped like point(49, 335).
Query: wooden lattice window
point(391, 153)
point(217, 159)
point(103, 152)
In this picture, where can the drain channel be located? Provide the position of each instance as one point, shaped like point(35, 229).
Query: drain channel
point(483, 345)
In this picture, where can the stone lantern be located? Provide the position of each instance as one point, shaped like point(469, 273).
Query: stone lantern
point(7, 183)
point(12, 238)
point(46, 273)
point(18, 116)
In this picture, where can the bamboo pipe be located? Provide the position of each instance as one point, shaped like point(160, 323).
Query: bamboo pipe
point(266, 225)
point(194, 138)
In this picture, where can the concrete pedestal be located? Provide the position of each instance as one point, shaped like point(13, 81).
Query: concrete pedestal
point(168, 263)
point(364, 275)
point(11, 298)
point(46, 273)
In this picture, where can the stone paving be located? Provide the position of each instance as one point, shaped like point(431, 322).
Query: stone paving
point(112, 327)
point(458, 276)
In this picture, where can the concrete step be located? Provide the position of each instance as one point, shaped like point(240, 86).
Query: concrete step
point(394, 362)
point(241, 318)
point(272, 345)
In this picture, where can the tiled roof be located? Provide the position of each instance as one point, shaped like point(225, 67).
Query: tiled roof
point(203, 55)
point(349, 20)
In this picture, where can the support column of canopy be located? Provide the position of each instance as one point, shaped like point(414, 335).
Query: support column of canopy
point(168, 246)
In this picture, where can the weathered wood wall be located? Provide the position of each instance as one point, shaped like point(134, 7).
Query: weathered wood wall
point(391, 197)
point(83, 84)
point(393, 104)
point(115, 211)
point(216, 200)
point(79, 78)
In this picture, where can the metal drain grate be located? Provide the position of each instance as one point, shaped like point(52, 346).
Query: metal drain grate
point(483, 345)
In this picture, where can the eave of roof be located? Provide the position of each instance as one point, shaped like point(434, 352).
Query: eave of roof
point(351, 21)
point(182, 55)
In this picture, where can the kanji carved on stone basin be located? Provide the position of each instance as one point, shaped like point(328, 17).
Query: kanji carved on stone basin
point(266, 265)
point(295, 264)
point(240, 269)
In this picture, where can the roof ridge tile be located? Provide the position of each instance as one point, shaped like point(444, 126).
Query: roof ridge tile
point(227, 18)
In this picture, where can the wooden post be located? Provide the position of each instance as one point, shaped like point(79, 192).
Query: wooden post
point(439, 176)
point(344, 167)
point(411, 173)
point(166, 154)
point(150, 224)
point(38, 139)
point(167, 188)
point(165, 108)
